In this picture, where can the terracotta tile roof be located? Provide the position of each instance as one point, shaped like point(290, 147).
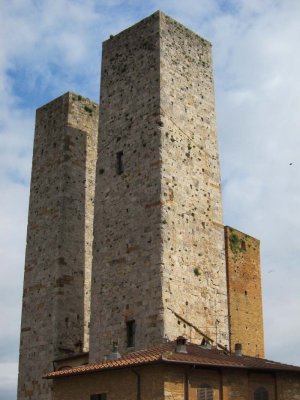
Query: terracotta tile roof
point(166, 353)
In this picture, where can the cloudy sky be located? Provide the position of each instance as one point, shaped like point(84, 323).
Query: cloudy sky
point(50, 47)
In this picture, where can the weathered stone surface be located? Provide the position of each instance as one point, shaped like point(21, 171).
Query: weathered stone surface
point(244, 292)
point(122, 384)
point(288, 386)
point(159, 244)
point(126, 281)
point(56, 300)
point(193, 260)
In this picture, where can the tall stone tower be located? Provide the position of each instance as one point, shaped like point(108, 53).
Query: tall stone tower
point(56, 298)
point(158, 255)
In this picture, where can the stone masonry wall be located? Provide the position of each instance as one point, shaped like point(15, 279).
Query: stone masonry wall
point(230, 384)
point(177, 378)
point(244, 292)
point(159, 244)
point(174, 382)
point(238, 384)
point(117, 384)
point(194, 273)
point(127, 246)
point(55, 313)
point(84, 114)
point(288, 386)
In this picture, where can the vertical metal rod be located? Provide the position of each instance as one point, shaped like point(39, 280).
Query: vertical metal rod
point(275, 386)
point(221, 385)
point(186, 384)
point(138, 384)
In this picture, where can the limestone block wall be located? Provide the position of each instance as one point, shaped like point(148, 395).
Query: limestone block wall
point(55, 315)
point(84, 115)
point(159, 243)
point(127, 246)
point(193, 259)
point(244, 292)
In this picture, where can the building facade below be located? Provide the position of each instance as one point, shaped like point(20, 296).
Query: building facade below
point(179, 372)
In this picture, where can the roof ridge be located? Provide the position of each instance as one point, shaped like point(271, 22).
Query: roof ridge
point(166, 352)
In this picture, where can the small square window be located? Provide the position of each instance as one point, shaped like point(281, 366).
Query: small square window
point(243, 245)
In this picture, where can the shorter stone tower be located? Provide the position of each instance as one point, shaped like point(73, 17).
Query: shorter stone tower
point(244, 292)
point(56, 298)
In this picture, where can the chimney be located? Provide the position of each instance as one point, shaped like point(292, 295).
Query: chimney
point(181, 345)
point(238, 349)
point(114, 355)
point(205, 344)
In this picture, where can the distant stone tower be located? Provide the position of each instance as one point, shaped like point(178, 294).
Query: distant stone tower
point(158, 256)
point(56, 299)
point(244, 292)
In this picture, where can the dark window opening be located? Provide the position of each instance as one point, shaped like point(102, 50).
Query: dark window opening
point(243, 245)
point(130, 327)
point(100, 396)
point(261, 394)
point(64, 367)
point(205, 392)
point(120, 164)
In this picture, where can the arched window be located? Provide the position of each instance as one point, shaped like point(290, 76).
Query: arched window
point(205, 392)
point(261, 394)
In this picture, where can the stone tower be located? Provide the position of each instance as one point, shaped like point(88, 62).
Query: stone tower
point(244, 292)
point(56, 298)
point(156, 269)
point(158, 255)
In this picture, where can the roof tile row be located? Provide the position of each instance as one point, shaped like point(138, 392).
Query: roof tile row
point(166, 353)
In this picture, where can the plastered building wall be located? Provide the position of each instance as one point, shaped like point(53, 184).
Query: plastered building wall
point(244, 292)
point(56, 296)
point(159, 244)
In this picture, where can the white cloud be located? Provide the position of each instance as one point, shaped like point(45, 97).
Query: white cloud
point(259, 130)
point(7, 372)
